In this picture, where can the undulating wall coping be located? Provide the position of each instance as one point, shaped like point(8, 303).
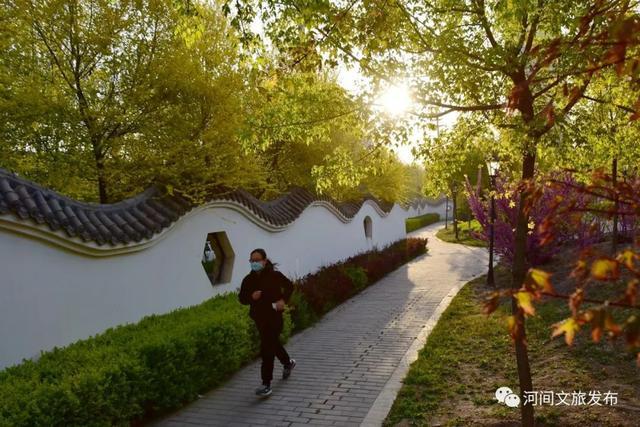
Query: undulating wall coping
point(139, 222)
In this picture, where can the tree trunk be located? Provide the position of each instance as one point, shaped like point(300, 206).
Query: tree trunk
point(518, 272)
point(614, 233)
point(454, 217)
point(518, 269)
point(446, 213)
point(102, 181)
point(98, 156)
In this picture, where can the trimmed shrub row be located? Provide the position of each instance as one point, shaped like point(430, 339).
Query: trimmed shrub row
point(132, 370)
point(421, 221)
point(326, 288)
point(135, 371)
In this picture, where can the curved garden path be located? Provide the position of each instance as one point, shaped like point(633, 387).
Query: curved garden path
point(351, 363)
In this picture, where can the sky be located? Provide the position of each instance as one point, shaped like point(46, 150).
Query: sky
point(352, 79)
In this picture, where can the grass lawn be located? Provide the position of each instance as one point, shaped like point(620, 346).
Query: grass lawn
point(469, 355)
point(447, 234)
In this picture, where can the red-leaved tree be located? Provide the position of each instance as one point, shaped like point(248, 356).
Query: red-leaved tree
point(594, 265)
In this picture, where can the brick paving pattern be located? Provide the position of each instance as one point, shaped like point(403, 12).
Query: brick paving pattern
point(344, 361)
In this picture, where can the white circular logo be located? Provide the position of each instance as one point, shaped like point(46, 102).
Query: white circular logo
point(503, 392)
point(512, 400)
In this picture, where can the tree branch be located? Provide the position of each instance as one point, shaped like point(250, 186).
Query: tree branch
point(326, 34)
point(533, 29)
point(456, 108)
point(411, 20)
point(591, 300)
point(485, 24)
point(481, 107)
point(602, 101)
point(550, 86)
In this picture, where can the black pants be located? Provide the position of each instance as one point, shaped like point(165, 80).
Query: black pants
point(270, 345)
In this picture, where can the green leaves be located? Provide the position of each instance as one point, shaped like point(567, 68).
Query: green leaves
point(132, 93)
point(118, 375)
point(417, 222)
point(455, 154)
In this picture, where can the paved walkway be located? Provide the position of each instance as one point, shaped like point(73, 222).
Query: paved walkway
point(354, 357)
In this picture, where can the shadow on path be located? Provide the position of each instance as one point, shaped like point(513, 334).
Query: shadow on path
point(345, 360)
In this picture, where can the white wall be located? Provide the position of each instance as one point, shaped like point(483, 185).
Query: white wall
point(52, 297)
point(439, 209)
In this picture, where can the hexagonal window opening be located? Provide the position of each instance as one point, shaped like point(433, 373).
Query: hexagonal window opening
point(368, 227)
point(217, 258)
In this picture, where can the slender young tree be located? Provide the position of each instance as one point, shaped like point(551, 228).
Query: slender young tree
point(452, 157)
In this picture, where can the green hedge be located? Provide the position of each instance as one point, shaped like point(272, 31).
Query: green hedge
point(136, 371)
point(131, 370)
point(421, 221)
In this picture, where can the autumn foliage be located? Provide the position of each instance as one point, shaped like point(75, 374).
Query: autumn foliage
point(595, 265)
point(566, 230)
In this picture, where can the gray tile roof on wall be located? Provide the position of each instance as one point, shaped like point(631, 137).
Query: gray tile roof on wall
point(128, 221)
point(140, 217)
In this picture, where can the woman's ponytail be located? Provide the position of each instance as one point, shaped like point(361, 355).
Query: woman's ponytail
point(269, 265)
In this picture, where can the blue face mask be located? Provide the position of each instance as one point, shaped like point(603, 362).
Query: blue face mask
point(256, 266)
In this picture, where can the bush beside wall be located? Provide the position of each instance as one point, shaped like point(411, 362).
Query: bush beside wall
point(131, 370)
point(421, 221)
point(332, 285)
point(164, 361)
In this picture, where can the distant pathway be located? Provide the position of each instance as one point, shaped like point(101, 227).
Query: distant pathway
point(351, 363)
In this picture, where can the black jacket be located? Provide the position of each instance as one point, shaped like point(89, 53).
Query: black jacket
point(274, 286)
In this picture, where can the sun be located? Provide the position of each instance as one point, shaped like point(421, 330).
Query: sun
point(395, 100)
